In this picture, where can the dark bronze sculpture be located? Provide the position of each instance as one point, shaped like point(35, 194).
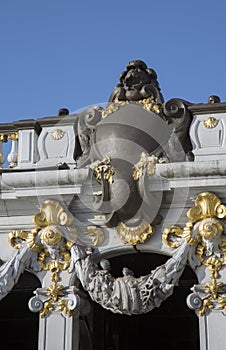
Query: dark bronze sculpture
point(137, 82)
point(120, 143)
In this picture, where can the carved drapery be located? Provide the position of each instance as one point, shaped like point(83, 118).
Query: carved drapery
point(47, 248)
point(127, 294)
point(53, 246)
point(204, 232)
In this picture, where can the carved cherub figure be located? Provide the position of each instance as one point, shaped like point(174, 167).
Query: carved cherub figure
point(137, 82)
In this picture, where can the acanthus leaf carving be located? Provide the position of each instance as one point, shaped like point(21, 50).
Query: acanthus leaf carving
point(46, 248)
point(204, 232)
point(202, 238)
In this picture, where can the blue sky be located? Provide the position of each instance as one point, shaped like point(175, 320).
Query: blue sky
point(70, 53)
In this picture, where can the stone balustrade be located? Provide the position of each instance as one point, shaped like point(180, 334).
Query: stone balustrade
point(52, 142)
point(42, 143)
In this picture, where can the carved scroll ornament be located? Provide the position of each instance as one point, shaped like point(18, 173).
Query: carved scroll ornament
point(48, 247)
point(201, 243)
point(204, 232)
point(126, 139)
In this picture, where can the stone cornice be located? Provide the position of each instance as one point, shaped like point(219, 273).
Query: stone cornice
point(203, 108)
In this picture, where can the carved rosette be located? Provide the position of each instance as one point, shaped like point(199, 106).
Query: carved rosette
point(204, 232)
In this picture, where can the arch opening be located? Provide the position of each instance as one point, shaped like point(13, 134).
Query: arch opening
point(173, 325)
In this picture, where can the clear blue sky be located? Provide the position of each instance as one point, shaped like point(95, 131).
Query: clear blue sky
point(69, 53)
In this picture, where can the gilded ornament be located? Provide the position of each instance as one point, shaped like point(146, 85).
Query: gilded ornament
point(34, 245)
point(187, 234)
point(207, 305)
point(137, 173)
point(63, 306)
point(53, 250)
point(113, 107)
point(51, 236)
point(210, 122)
point(134, 235)
point(17, 238)
point(40, 219)
point(206, 205)
point(104, 170)
point(170, 236)
point(150, 105)
point(52, 212)
point(209, 228)
point(96, 233)
point(147, 163)
point(3, 137)
point(13, 136)
point(205, 232)
point(140, 166)
point(57, 134)
point(54, 292)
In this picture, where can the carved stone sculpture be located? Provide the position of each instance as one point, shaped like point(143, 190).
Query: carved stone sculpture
point(47, 247)
point(137, 82)
point(87, 122)
point(204, 232)
point(127, 294)
point(135, 122)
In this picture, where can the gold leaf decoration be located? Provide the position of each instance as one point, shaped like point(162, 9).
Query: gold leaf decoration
point(206, 205)
point(16, 238)
point(210, 244)
point(134, 235)
point(170, 236)
point(113, 107)
point(50, 236)
point(209, 228)
point(210, 122)
point(57, 134)
point(150, 105)
point(104, 170)
point(53, 249)
point(96, 233)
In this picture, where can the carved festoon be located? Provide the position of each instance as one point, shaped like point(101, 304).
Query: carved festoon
point(204, 232)
point(53, 246)
point(135, 175)
point(127, 294)
point(47, 247)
